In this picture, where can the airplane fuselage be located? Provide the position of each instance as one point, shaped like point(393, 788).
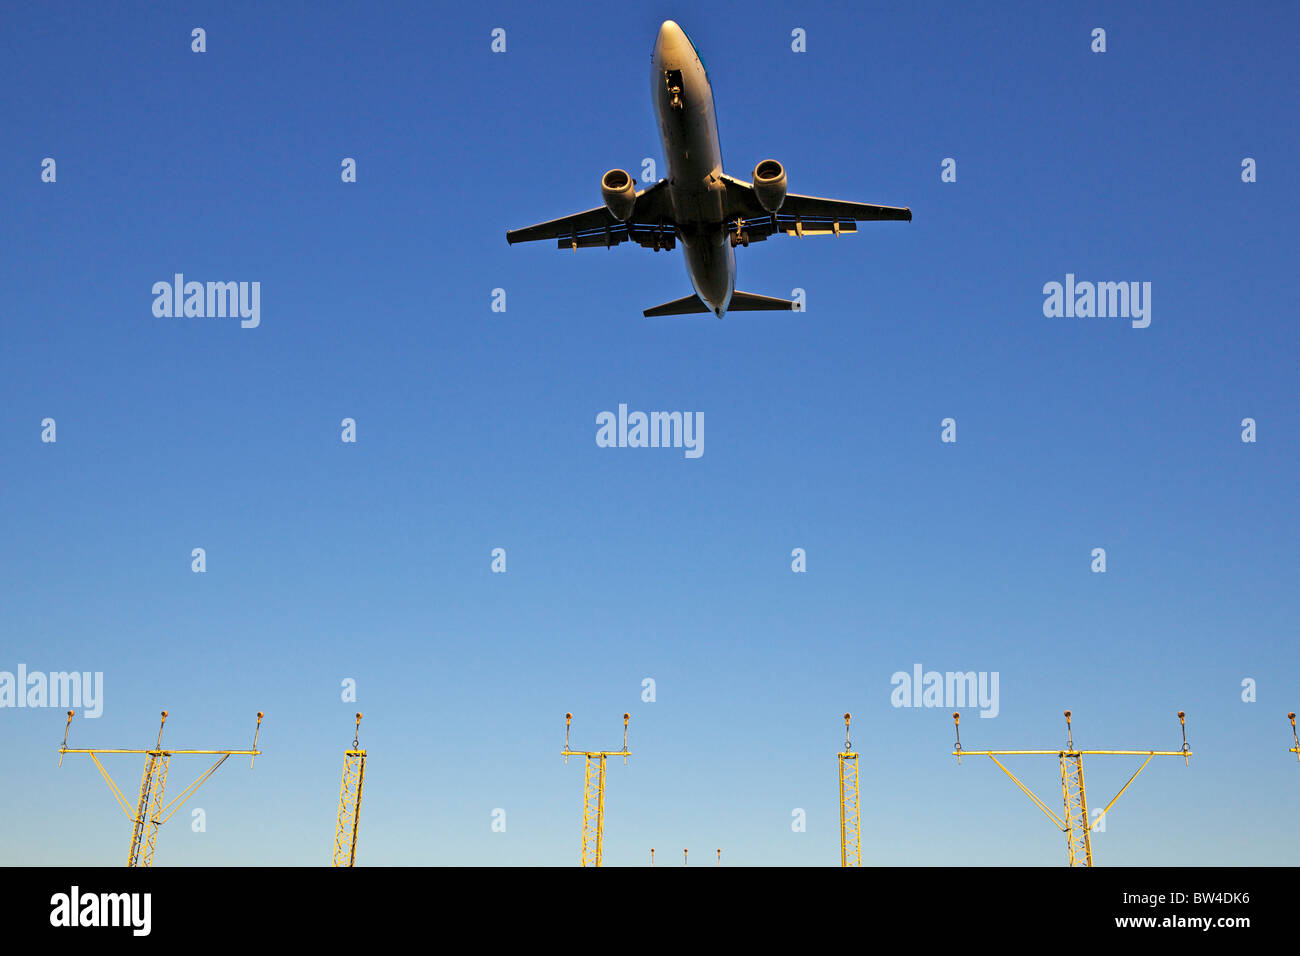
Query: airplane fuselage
point(683, 100)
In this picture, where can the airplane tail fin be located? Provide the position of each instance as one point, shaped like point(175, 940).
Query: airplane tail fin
point(740, 302)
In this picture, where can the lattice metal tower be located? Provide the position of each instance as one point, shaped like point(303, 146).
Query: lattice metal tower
point(150, 812)
point(593, 794)
point(850, 820)
point(354, 780)
point(1074, 822)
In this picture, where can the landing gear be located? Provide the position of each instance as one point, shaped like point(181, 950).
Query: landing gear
point(673, 80)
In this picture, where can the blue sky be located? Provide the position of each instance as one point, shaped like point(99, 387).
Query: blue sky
point(476, 430)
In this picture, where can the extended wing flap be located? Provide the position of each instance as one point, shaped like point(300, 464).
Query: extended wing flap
point(756, 230)
point(608, 237)
point(652, 237)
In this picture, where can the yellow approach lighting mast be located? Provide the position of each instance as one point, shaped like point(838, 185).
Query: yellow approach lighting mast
point(593, 794)
point(1074, 824)
point(150, 813)
point(850, 821)
point(1296, 749)
point(354, 779)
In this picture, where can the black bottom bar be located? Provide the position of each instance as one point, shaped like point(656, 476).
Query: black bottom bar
point(923, 905)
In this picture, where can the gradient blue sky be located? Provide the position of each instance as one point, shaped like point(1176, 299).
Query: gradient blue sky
point(477, 430)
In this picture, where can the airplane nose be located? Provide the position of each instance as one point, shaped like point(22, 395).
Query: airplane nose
point(671, 40)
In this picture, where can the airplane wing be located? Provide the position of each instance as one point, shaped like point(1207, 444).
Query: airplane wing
point(803, 215)
point(651, 225)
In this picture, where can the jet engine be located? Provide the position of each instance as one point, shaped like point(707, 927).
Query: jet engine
point(619, 193)
point(769, 184)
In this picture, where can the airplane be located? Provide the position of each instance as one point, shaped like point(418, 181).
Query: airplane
point(709, 211)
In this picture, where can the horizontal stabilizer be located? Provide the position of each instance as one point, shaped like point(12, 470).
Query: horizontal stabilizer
point(748, 302)
point(740, 302)
point(692, 303)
